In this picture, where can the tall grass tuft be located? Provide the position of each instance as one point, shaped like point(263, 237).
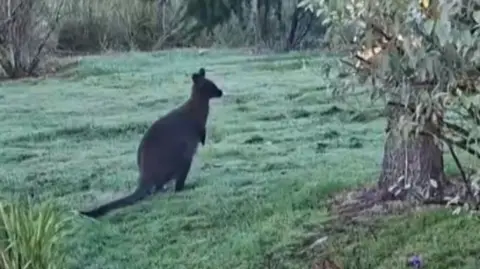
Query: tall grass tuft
point(30, 237)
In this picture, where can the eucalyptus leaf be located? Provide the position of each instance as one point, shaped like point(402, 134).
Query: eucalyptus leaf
point(476, 57)
point(303, 3)
point(442, 31)
point(475, 100)
point(466, 38)
point(428, 26)
point(319, 12)
point(429, 66)
point(476, 16)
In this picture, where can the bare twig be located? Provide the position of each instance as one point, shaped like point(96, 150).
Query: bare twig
point(474, 115)
point(379, 30)
point(466, 181)
point(461, 144)
point(363, 59)
point(441, 201)
point(348, 63)
point(456, 128)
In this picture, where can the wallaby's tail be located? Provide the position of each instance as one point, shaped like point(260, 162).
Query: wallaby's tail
point(139, 194)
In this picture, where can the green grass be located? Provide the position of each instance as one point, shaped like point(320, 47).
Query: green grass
point(276, 150)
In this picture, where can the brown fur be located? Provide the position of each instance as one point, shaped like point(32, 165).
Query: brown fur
point(166, 150)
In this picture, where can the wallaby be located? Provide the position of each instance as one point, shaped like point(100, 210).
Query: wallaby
point(166, 150)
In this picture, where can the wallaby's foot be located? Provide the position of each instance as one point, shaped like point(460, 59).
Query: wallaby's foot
point(163, 189)
point(179, 187)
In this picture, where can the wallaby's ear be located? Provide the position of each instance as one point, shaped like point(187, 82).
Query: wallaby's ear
point(201, 72)
point(195, 77)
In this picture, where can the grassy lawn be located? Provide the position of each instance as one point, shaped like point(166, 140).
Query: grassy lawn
point(275, 151)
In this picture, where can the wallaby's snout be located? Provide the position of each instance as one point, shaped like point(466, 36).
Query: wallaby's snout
point(218, 94)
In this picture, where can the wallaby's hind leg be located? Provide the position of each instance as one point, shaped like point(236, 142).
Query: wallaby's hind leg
point(160, 183)
point(182, 174)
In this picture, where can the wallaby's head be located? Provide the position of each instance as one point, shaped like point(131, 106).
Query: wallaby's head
point(203, 87)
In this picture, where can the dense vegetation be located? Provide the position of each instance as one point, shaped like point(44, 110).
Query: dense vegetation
point(93, 26)
point(296, 134)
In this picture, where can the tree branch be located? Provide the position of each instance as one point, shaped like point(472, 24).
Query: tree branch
point(308, 26)
point(461, 144)
point(36, 59)
point(462, 172)
point(455, 128)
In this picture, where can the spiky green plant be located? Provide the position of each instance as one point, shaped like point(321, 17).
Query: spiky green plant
point(30, 236)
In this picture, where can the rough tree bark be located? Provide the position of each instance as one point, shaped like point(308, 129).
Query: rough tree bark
point(416, 160)
point(264, 20)
point(254, 20)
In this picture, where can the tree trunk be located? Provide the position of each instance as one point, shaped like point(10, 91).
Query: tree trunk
point(16, 37)
point(161, 17)
point(254, 20)
point(417, 160)
point(293, 30)
point(264, 20)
